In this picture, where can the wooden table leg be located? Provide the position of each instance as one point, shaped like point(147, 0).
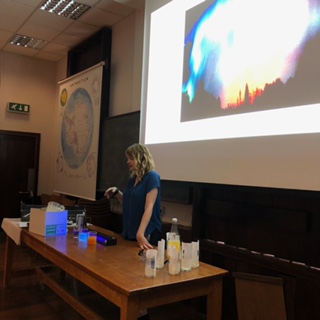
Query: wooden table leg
point(8, 261)
point(214, 301)
point(129, 309)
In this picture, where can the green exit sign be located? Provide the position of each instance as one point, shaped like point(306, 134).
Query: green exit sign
point(18, 107)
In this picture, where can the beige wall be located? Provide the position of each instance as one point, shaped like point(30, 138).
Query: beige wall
point(30, 81)
point(126, 65)
point(35, 82)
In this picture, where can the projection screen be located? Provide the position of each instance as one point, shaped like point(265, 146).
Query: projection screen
point(231, 91)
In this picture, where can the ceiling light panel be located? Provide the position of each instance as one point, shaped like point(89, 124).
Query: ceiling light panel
point(27, 42)
point(65, 8)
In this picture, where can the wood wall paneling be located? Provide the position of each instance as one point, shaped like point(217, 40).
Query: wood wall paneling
point(263, 231)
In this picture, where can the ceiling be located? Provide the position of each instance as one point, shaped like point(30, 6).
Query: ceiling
point(25, 17)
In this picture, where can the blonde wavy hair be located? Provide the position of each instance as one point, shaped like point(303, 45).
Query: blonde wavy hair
point(143, 158)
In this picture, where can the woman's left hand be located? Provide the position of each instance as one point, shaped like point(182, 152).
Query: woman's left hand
point(143, 242)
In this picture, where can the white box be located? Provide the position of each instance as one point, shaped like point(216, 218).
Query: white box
point(48, 223)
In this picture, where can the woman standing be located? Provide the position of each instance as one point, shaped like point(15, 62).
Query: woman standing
point(141, 202)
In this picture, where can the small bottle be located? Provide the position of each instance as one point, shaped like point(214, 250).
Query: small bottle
point(174, 226)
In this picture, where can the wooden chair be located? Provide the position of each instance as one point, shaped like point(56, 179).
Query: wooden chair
point(259, 297)
point(99, 212)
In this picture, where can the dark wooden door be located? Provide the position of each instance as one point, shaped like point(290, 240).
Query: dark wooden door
point(19, 163)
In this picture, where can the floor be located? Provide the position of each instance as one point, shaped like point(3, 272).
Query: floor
point(26, 298)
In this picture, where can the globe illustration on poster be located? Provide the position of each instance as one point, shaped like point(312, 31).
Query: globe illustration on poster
point(77, 128)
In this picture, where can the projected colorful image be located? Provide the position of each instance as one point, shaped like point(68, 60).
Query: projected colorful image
point(245, 56)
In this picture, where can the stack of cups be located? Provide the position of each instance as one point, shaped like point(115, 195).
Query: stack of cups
point(186, 254)
point(189, 255)
point(151, 263)
point(195, 254)
point(174, 260)
point(160, 254)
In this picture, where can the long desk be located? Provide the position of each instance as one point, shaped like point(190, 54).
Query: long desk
point(117, 274)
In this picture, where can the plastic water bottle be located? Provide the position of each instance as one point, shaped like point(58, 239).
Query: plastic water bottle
point(174, 236)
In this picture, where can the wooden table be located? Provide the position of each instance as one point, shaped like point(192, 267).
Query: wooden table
point(117, 273)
